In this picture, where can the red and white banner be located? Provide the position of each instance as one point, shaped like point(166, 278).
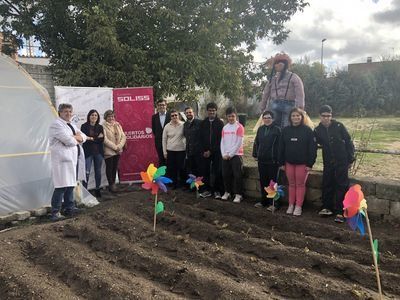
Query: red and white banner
point(133, 109)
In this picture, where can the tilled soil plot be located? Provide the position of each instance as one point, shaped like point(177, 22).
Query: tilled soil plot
point(202, 249)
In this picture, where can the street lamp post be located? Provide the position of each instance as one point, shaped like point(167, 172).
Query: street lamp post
point(322, 53)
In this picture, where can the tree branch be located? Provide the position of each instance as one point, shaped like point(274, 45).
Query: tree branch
point(18, 12)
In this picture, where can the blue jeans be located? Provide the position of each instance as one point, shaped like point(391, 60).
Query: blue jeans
point(98, 160)
point(281, 110)
point(66, 193)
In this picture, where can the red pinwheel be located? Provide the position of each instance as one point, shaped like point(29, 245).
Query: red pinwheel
point(355, 209)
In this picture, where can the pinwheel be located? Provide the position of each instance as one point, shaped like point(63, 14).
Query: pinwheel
point(355, 208)
point(274, 191)
point(153, 179)
point(195, 182)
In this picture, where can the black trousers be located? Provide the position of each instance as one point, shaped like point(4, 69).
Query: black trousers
point(161, 159)
point(232, 172)
point(267, 173)
point(212, 173)
point(335, 183)
point(193, 165)
point(175, 167)
point(111, 168)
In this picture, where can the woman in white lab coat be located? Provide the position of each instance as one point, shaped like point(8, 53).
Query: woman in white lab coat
point(67, 161)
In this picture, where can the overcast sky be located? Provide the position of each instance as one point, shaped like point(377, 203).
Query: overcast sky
point(354, 30)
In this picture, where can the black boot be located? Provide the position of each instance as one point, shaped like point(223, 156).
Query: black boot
point(97, 193)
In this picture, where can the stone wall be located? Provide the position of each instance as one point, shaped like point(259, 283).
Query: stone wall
point(383, 196)
point(43, 76)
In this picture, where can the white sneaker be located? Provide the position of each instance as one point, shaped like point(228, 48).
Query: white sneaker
point(290, 209)
point(238, 198)
point(226, 196)
point(297, 211)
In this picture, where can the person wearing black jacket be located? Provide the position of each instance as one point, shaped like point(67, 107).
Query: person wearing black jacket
point(338, 156)
point(210, 139)
point(158, 122)
point(265, 152)
point(93, 148)
point(191, 131)
point(297, 154)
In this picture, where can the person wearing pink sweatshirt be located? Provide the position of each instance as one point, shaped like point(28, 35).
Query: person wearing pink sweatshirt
point(232, 152)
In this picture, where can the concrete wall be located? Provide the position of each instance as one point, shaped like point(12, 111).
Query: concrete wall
point(42, 75)
point(383, 196)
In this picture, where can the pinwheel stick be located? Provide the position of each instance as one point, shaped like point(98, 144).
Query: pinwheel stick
point(374, 255)
point(155, 213)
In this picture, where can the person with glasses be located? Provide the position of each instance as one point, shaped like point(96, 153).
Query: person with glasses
point(265, 152)
point(158, 122)
point(174, 148)
point(338, 157)
point(67, 162)
point(210, 139)
point(283, 91)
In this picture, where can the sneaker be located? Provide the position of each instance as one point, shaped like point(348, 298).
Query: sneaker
point(339, 219)
point(217, 195)
point(57, 217)
point(325, 212)
point(205, 194)
point(297, 211)
point(226, 196)
point(258, 205)
point(238, 198)
point(290, 209)
point(72, 212)
point(272, 208)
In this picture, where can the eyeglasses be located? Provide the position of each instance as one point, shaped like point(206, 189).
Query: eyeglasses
point(267, 118)
point(174, 115)
point(326, 116)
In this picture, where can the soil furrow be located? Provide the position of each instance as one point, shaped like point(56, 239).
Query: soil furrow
point(323, 246)
point(85, 272)
point(332, 267)
point(233, 263)
point(19, 277)
point(184, 278)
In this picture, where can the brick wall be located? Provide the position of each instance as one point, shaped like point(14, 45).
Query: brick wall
point(42, 75)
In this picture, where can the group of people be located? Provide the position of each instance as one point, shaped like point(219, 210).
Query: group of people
point(294, 150)
point(206, 148)
point(214, 150)
point(73, 152)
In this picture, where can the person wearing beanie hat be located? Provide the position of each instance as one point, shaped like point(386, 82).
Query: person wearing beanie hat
point(338, 156)
point(325, 109)
point(283, 91)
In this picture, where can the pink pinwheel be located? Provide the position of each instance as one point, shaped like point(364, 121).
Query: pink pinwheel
point(195, 182)
point(154, 180)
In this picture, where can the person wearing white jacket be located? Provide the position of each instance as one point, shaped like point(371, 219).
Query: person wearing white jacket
point(232, 152)
point(67, 161)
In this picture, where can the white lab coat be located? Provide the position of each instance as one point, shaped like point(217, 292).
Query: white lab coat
point(64, 154)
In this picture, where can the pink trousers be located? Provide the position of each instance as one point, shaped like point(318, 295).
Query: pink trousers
point(297, 177)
